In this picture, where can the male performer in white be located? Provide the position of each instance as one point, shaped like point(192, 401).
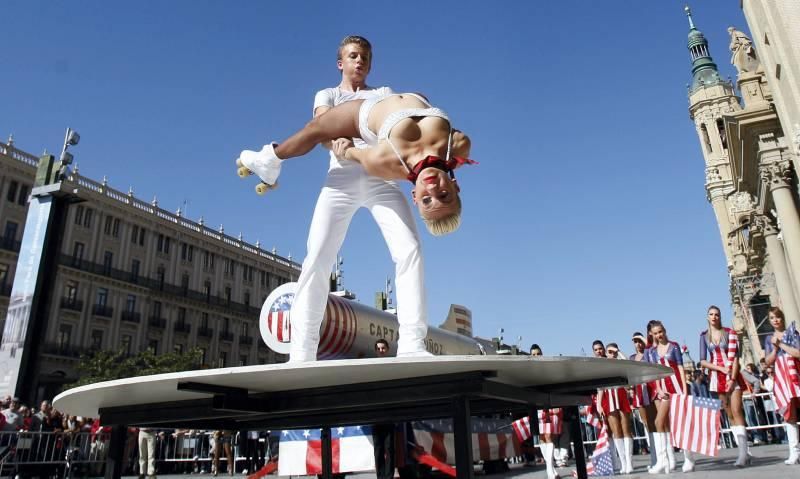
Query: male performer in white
point(348, 188)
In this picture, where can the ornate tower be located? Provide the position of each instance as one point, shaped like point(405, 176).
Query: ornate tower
point(711, 97)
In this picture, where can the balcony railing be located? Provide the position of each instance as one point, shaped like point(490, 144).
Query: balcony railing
point(131, 316)
point(226, 336)
point(71, 303)
point(205, 332)
point(182, 327)
point(157, 322)
point(158, 284)
point(245, 340)
point(102, 310)
point(66, 350)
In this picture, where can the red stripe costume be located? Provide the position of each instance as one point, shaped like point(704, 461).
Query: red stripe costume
point(786, 379)
point(672, 384)
point(722, 354)
point(615, 399)
point(550, 421)
point(642, 393)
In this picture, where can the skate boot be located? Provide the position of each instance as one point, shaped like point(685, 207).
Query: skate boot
point(265, 164)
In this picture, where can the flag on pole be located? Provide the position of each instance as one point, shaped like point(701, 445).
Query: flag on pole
point(522, 428)
point(300, 451)
point(695, 423)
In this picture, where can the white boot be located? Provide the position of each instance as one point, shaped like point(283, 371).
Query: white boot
point(660, 442)
point(794, 448)
point(670, 452)
point(619, 445)
point(547, 453)
point(688, 461)
point(264, 164)
point(628, 462)
point(740, 433)
point(612, 446)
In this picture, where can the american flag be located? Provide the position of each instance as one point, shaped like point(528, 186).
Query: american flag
point(300, 451)
point(786, 377)
point(601, 463)
point(278, 320)
point(695, 423)
point(522, 428)
point(491, 439)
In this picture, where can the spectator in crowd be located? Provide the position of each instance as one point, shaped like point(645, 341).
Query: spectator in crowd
point(643, 396)
point(698, 384)
point(383, 434)
point(147, 453)
point(769, 407)
point(753, 404)
point(13, 420)
point(224, 446)
point(535, 350)
point(613, 406)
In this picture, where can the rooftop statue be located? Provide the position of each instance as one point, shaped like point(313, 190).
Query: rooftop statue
point(743, 54)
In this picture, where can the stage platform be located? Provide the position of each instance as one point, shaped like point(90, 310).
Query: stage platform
point(357, 391)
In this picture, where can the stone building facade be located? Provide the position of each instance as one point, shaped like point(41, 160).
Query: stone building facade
point(750, 183)
point(133, 276)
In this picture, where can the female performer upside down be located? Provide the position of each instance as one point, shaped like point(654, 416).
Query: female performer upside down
point(414, 141)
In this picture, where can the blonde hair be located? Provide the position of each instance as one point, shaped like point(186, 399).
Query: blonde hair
point(446, 224)
point(354, 39)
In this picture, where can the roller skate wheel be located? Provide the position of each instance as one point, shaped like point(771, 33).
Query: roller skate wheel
point(239, 162)
point(262, 188)
point(243, 172)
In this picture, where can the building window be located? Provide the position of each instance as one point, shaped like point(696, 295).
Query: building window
point(245, 330)
point(722, 137)
point(152, 346)
point(109, 225)
point(108, 258)
point(71, 291)
point(227, 266)
point(181, 315)
point(23, 195)
point(141, 236)
point(187, 252)
point(79, 215)
point(160, 277)
point(135, 265)
point(64, 335)
point(228, 294)
point(207, 290)
point(156, 309)
point(102, 297)
point(204, 321)
point(87, 218)
point(247, 298)
point(97, 339)
point(130, 303)
point(264, 275)
point(162, 244)
point(115, 229)
point(185, 283)
point(226, 325)
point(706, 138)
point(135, 234)
point(77, 253)
point(12, 191)
point(126, 343)
point(11, 232)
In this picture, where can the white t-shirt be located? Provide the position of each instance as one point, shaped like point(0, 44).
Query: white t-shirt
point(335, 96)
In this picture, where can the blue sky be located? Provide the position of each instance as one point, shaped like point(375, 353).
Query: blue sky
point(586, 218)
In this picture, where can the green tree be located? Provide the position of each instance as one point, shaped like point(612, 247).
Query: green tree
point(109, 365)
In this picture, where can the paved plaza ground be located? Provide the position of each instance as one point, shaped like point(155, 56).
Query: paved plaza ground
point(767, 464)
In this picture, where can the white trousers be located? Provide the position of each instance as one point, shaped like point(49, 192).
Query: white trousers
point(348, 188)
point(147, 453)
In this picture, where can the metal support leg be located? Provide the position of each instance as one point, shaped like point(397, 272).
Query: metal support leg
point(116, 452)
point(572, 417)
point(462, 430)
point(327, 454)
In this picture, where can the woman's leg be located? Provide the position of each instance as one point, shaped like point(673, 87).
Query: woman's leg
point(339, 122)
point(738, 428)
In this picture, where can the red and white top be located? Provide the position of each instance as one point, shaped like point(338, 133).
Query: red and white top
point(672, 384)
point(550, 421)
point(722, 354)
point(642, 393)
point(786, 384)
point(615, 399)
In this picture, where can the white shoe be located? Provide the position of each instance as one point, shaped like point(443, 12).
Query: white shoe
point(264, 164)
point(627, 467)
point(688, 461)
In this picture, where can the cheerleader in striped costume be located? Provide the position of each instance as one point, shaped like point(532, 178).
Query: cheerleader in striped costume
point(719, 354)
point(550, 421)
point(642, 393)
point(667, 353)
point(613, 406)
point(782, 350)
